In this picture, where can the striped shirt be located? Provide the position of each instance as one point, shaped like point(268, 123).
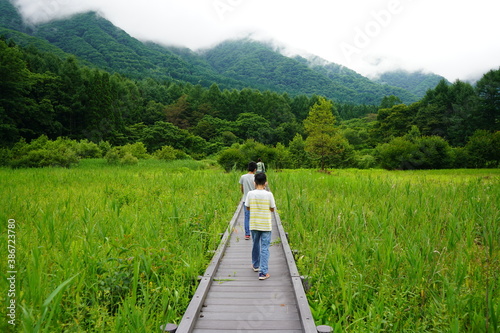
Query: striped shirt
point(260, 202)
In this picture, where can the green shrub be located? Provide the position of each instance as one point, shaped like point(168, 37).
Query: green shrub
point(43, 152)
point(104, 146)
point(137, 150)
point(396, 154)
point(300, 158)
point(460, 158)
point(5, 157)
point(429, 152)
point(231, 159)
point(365, 161)
point(283, 159)
point(166, 153)
point(87, 149)
point(253, 150)
point(433, 152)
point(483, 149)
point(129, 154)
point(113, 155)
point(129, 159)
point(169, 153)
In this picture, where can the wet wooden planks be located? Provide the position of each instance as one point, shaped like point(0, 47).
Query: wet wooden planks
point(231, 298)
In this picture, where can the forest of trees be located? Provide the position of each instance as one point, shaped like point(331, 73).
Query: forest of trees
point(454, 125)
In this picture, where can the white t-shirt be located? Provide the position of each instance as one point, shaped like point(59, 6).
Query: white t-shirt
point(260, 202)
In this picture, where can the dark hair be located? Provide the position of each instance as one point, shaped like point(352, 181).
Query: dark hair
point(252, 166)
point(260, 179)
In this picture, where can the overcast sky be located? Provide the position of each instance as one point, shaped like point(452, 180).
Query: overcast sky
point(457, 39)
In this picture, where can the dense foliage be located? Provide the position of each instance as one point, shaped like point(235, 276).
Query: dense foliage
point(105, 248)
point(415, 251)
point(121, 91)
point(119, 248)
point(42, 94)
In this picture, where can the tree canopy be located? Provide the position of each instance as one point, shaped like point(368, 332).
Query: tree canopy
point(44, 95)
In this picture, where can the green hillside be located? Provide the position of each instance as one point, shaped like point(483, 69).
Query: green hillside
point(415, 82)
point(10, 17)
point(238, 93)
point(355, 81)
point(232, 64)
point(259, 65)
point(95, 39)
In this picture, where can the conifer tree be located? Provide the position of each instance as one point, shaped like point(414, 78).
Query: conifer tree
point(323, 142)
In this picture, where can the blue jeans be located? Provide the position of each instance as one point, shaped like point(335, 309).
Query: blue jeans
point(260, 249)
point(247, 220)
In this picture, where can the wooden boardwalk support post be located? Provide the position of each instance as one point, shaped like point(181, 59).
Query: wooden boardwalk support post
point(324, 329)
point(170, 328)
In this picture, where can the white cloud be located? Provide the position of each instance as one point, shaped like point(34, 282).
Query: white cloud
point(456, 39)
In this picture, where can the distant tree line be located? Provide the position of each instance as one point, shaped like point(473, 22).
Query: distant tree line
point(44, 95)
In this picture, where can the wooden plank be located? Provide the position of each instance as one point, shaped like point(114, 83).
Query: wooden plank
point(259, 295)
point(231, 298)
point(232, 286)
point(227, 316)
point(254, 323)
point(246, 331)
point(251, 308)
point(275, 272)
point(305, 314)
point(237, 302)
point(248, 282)
point(188, 320)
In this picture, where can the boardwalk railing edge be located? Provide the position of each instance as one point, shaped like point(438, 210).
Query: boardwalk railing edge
point(194, 307)
point(305, 313)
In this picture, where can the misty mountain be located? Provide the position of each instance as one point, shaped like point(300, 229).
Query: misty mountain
point(235, 64)
point(13, 27)
point(415, 82)
point(260, 65)
point(10, 18)
point(96, 40)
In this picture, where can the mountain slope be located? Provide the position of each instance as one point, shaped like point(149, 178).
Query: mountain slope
point(416, 82)
point(10, 17)
point(231, 64)
point(356, 81)
point(96, 40)
point(260, 64)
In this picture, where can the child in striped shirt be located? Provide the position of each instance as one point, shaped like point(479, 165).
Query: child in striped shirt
point(260, 203)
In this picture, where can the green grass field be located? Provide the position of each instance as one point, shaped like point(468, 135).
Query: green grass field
point(397, 251)
point(102, 248)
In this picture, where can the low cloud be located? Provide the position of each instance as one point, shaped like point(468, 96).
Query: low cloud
point(450, 38)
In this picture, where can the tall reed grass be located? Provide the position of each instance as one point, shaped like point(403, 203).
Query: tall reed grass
point(111, 248)
point(119, 248)
point(396, 251)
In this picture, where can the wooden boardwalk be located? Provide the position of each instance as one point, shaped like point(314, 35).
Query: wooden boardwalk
point(231, 298)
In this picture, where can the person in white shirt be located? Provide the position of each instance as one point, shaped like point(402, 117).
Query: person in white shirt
point(261, 204)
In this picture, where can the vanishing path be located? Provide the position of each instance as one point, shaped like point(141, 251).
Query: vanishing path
point(231, 298)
